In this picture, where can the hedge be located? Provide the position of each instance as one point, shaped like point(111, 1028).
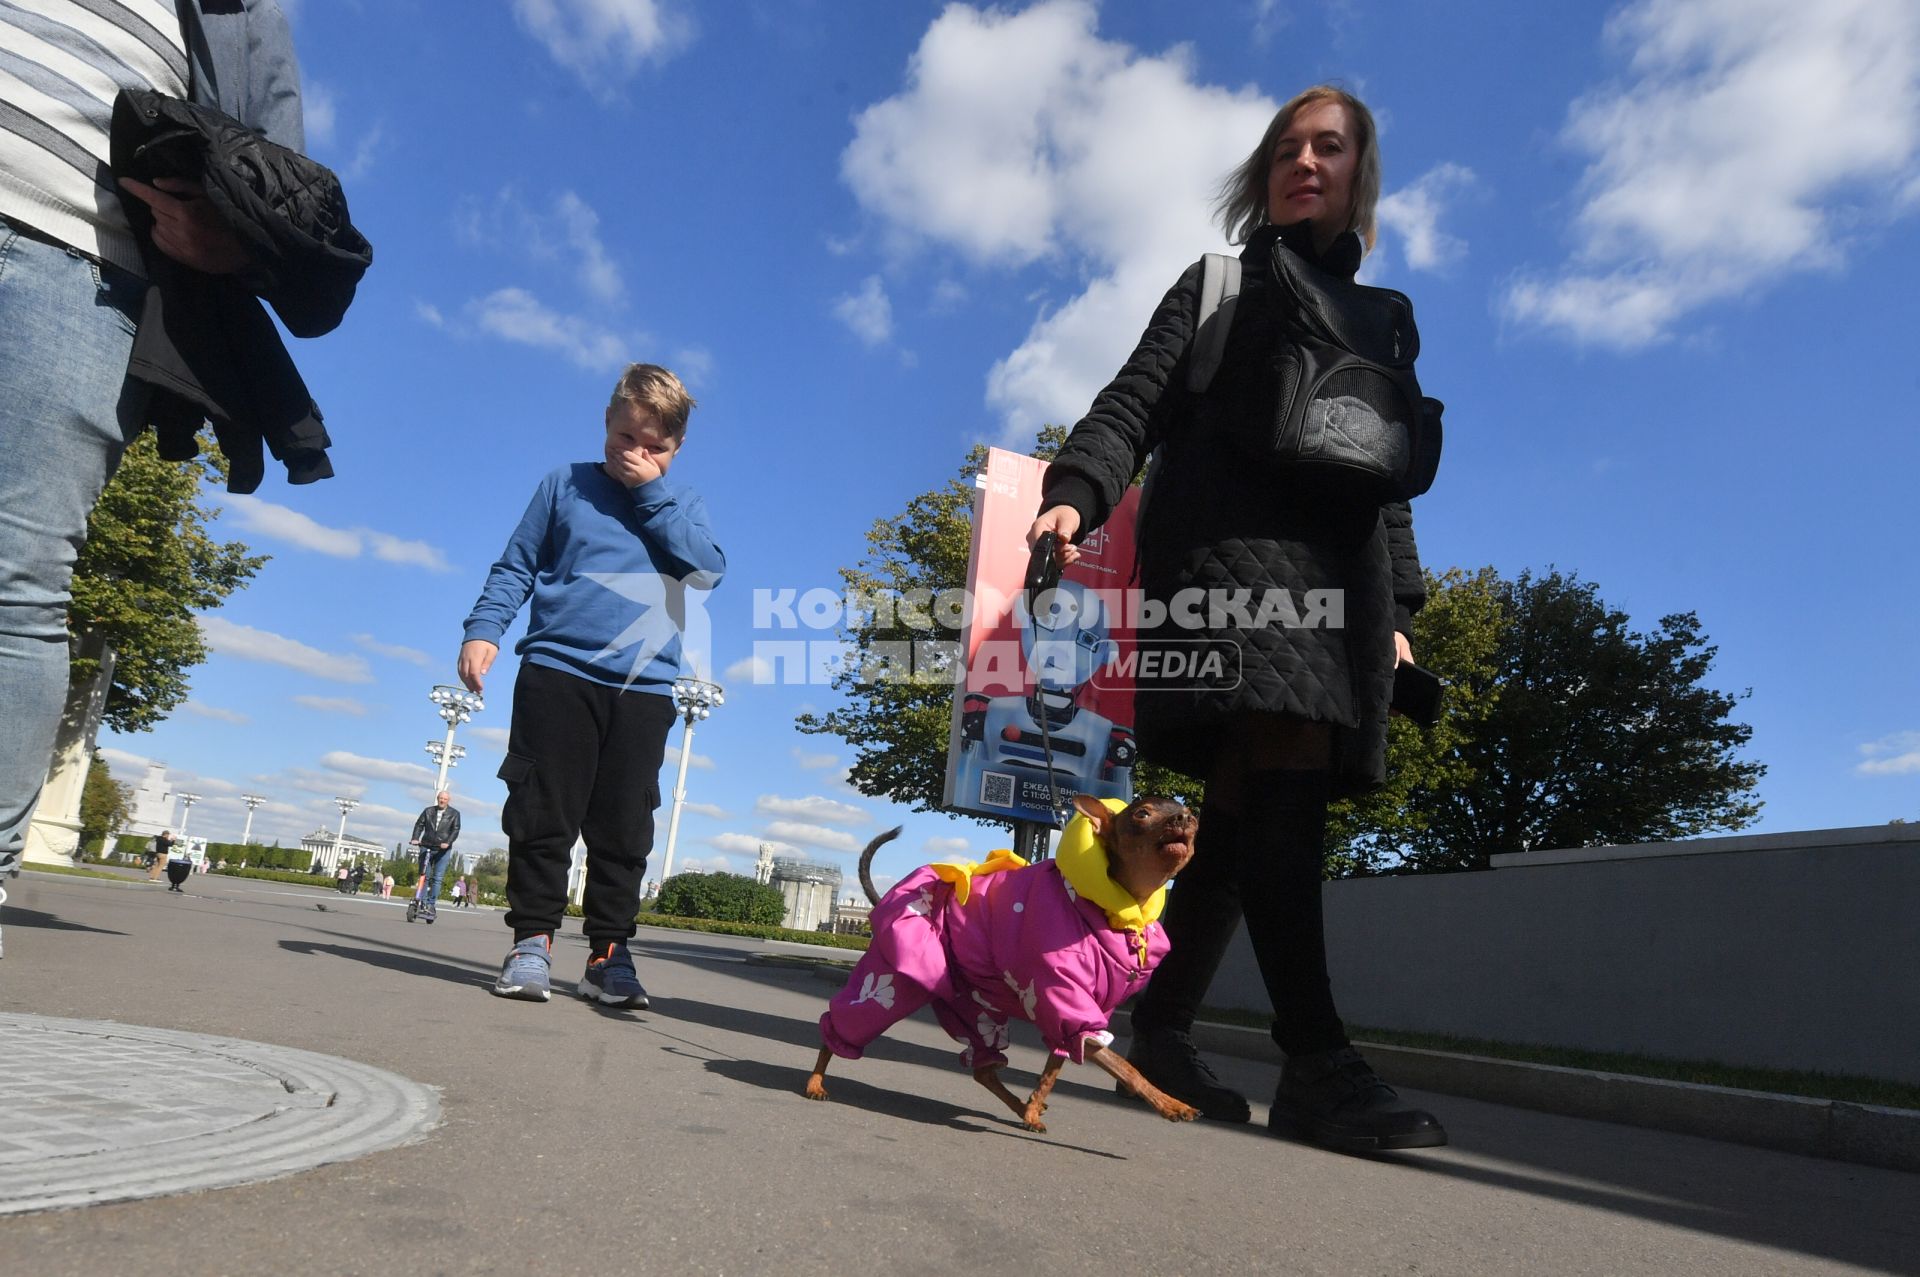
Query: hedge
point(826, 939)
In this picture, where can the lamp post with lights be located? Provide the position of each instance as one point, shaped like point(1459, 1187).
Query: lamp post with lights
point(252, 801)
point(345, 805)
point(695, 699)
point(186, 809)
point(456, 706)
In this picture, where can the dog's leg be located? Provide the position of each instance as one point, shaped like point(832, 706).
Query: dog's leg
point(817, 1080)
point(1128, 1076)
point(989, 1077)
point(1037, 1102)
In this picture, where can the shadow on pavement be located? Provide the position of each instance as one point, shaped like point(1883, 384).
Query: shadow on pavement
point(802, 1037)
point(904, 1105)
point(405, 963)
point(13, 916)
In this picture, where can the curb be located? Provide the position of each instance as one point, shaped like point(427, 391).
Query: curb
point(1866, 1134)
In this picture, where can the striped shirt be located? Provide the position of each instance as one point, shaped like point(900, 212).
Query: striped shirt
point(62, 62)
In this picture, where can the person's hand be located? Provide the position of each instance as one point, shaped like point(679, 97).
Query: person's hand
point(1402, 650)
point(476, 658)
point(642, 463)
point(1063, 521)
point(187, 227)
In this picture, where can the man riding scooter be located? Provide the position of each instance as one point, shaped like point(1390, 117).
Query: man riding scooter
point(434, 833)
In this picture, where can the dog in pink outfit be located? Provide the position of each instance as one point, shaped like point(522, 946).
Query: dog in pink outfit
point(1060, 943)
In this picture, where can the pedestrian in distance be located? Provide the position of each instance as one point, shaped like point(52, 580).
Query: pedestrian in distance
point(608, 553)
point(159, 852)
point(1242, 499)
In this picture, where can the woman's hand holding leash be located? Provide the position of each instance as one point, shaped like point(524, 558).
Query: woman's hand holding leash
point(1063, 521)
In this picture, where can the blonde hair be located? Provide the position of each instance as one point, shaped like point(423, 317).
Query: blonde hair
point(660, 392)
point(1241, 205)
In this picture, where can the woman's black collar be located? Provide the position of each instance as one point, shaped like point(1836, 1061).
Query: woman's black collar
point(1341, 258)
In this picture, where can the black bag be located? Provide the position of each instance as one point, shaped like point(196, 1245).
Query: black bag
point(1349, 403)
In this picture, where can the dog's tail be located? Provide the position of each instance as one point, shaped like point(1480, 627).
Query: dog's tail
point(866, 863)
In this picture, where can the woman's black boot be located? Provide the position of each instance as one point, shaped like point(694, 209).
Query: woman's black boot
point(1335, 1099)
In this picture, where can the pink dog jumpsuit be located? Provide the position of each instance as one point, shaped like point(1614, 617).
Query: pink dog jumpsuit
point(984, 943)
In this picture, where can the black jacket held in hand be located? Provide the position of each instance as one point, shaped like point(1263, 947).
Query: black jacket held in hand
point(205, 345)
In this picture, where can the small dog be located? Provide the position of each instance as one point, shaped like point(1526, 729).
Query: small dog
point(1060, 943)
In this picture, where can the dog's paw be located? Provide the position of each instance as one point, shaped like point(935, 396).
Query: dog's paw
point(1178, 1112)
point(1035, 1125)
point(815, 1089)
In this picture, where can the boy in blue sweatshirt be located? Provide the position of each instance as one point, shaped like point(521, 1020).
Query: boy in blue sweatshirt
point(608, 552)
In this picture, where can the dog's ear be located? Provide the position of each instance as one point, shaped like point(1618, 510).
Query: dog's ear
point(1096, 811)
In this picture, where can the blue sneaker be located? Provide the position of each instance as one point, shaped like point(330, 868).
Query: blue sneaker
point(611, 979)
point(525, 974)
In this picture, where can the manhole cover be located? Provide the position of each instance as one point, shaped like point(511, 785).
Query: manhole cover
point(92, 1111)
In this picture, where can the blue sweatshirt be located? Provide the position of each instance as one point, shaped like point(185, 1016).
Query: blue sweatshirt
point(616, 577)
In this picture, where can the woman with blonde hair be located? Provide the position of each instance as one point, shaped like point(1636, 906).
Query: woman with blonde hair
point(1245, 518)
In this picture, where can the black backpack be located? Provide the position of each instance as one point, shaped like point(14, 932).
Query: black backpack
point(1350, 404)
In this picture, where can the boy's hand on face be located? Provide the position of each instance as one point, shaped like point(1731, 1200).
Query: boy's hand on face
point(638, 449)
point(476, 658)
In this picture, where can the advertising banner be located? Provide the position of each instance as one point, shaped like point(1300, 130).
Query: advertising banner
point(1052, 679)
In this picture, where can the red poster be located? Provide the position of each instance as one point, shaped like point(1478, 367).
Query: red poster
point(1050, 680)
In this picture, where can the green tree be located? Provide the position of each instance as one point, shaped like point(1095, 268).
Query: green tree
point(149, 564)
point(104, 804)
point(898, 727)
point(1457, 636)
point(1569, 729)
point(723, 897)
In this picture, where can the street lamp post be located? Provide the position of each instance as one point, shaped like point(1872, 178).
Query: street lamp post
point(444, 758)
point(345, 805)
point(252, 801)
point(186, 809)
point(456, 705)
point(695, 699)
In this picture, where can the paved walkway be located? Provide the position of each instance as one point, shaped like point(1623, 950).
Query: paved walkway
point(576, 1140)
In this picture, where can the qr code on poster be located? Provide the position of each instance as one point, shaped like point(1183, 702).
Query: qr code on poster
point(996, 790)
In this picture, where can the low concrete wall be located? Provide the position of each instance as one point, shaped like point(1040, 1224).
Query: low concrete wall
point(1794, 951)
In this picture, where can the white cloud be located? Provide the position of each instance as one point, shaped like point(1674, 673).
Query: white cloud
point(339, 760)
point(365, 151)
point(570, 228)
point(1744, 140)
point(706, 809)
point(705, 865)
point(699, 762)
point(693, 365)
point(494, 736)
point(605, 42)
point(218, 715)
point(946, 846)
point(812, 808)
point(429, 314)
point(748, 845)
point(318, 110)
point(333, 705)
point(248, 644)
point(813, 835)
point(411, 655)
point(867, 313)
point(1021, 137)
point(1895, 755)
point(283, 524)
point(757, 670)
point(1412, 215)
point(814, 762)
point(516, 315)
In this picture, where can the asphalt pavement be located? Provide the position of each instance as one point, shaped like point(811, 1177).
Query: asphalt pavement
point(577, 1140)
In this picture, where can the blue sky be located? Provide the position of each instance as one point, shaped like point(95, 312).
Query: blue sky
point(1664, 257)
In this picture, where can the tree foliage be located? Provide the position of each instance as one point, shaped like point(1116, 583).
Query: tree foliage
point(149, 564)
point(104, 803)
point(1565, 728)
point(899, 729)
point(723, 897)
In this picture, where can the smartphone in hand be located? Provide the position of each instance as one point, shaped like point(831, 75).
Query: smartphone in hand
point(1417, 693)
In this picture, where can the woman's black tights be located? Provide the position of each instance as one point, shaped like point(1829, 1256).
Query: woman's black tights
point(1259, 855)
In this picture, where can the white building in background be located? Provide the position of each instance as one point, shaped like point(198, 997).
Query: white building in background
point(331, 852)
point(809, 889)
point(152, 807)
point(763, 867)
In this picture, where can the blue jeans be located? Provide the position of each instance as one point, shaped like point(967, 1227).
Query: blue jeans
point(67, 413)
point(434, 869)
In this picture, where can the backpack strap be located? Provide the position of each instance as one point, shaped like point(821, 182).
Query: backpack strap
point(1219, 295)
